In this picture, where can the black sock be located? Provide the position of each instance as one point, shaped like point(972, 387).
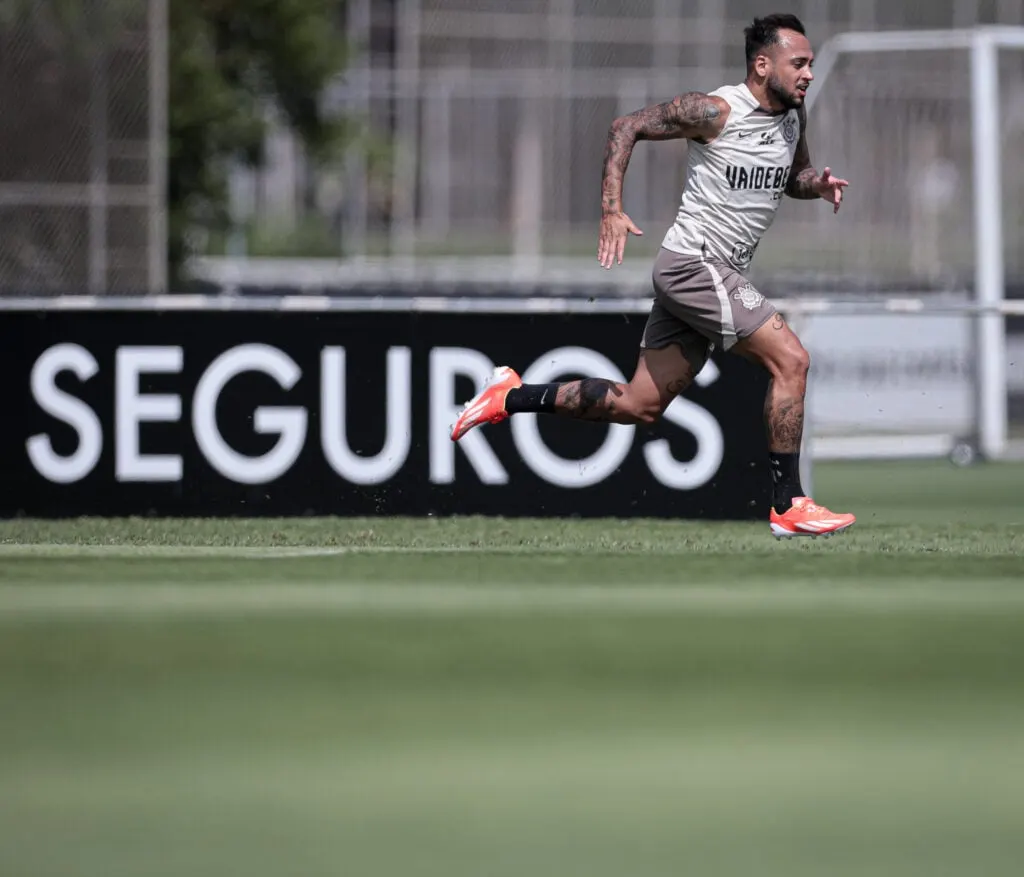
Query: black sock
point(785, 469)
point(531, 397)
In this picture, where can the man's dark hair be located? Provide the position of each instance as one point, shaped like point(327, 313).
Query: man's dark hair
point(764, 32)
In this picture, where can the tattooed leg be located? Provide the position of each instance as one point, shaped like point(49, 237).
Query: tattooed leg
point(597, 399)
point(784, 418)
point(660, 376)
point(776, 347)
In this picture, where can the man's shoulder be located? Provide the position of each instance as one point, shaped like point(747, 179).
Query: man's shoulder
point(727, 88)
point(736, 94)
point(735, 100)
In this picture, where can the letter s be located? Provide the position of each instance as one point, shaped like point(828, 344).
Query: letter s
point(67, 408)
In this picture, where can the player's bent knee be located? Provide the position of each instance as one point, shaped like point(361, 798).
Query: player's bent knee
point(648, 412)
point(801, 363)
point(641, 407)
point(791, 364)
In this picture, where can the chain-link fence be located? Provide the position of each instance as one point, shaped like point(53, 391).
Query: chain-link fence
point(82, 146)
point(496, 117)
point(490, 120)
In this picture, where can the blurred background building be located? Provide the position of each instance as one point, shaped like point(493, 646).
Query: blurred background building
point(480, 127)
point(495, 116)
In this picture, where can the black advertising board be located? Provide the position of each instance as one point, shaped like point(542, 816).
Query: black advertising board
point(269, 412)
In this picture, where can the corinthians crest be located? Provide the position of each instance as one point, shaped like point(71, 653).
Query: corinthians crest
point(789, 129)
point(749, 297)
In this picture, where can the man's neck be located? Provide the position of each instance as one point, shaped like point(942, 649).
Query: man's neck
point(760, 93)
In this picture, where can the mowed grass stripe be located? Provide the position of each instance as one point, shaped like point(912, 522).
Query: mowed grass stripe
point(43, 550)
point(816, 565)
point(208, 599)
point(325, 537)
point(520, 538)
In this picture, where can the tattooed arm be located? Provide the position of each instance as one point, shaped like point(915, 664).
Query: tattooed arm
point(802, 177)
point(694, 116)
point(805, 183)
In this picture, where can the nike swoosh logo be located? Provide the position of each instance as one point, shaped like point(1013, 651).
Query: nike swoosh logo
point(744, 133)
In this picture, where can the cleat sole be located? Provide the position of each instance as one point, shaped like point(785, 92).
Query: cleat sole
point(782, 533)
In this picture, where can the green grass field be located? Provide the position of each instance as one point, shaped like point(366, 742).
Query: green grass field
point(514, 698)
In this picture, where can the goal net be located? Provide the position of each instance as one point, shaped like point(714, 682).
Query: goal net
point(920, 354)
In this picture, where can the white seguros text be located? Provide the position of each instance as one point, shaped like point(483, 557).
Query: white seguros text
point(290, 423)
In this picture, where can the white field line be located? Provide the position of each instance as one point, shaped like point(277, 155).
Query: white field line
point(19, 550)
point(10, 550)
point(41, 601)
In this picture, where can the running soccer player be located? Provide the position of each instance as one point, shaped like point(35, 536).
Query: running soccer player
point(748, 149)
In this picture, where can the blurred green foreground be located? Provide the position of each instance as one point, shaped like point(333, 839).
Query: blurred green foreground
point(517, 698)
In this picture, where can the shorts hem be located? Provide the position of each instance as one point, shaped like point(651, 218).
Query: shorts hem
point(748, 331)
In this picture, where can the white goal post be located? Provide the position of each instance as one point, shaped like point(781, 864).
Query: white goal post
point(983, 44)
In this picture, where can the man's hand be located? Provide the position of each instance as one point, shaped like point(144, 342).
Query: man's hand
point(615, 228)
point(830, 188)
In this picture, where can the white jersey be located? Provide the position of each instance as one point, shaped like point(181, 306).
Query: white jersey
point(735, 184)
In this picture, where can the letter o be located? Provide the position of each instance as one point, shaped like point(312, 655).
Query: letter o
point(526, 433)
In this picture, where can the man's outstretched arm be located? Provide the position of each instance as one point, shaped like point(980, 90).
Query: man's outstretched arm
point(694, 115)
point(805, 183)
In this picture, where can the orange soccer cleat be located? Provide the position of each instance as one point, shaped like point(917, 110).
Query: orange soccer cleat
point(488, 406)
point(807, 518)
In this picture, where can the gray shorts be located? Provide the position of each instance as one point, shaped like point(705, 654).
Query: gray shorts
point(700, 304)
